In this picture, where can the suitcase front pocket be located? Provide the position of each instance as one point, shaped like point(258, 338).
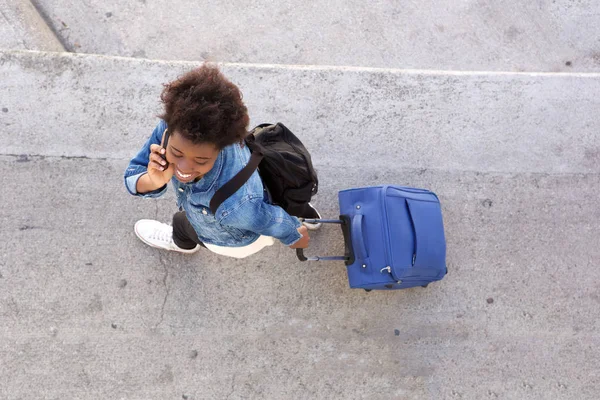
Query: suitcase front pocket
point(417, 238)
point(428, 229)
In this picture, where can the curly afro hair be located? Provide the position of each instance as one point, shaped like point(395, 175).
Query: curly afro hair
point(205, 107)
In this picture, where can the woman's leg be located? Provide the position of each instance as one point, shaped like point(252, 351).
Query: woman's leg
point(184, 234)
point(244, 251)
point(186, 238)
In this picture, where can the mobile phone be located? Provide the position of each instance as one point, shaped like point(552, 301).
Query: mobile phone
point(164, 146)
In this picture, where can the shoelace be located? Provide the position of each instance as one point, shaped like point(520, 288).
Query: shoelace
point(162, 235)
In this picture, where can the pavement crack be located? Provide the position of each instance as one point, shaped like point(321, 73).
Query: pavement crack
point(232, 387)
point(5, 16)
point(24, 157)
point(167, 290)
point(29, 227)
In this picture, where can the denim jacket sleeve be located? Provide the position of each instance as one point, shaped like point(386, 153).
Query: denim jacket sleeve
point(138, 165)
point(254, 215)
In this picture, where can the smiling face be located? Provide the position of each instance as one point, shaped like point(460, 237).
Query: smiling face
point(190, 161)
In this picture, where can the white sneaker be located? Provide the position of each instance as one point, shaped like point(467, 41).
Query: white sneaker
point(159, 235)
point(311, 226)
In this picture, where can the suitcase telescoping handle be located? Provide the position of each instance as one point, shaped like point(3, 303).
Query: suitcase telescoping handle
point(300, 252)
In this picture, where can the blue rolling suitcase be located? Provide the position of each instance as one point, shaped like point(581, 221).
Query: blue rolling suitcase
point(394, 237)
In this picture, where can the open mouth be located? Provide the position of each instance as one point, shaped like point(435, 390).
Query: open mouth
point(182, 175)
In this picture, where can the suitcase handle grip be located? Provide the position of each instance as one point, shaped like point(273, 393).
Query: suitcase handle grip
point(358, 241)
point(302, 257)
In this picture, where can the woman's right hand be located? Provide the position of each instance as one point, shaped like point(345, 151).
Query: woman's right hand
point(158, 172)
point(304, 240)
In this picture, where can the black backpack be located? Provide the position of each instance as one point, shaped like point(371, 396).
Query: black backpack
point(285, 168)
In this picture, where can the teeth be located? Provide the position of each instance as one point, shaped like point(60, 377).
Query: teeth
point(183, 175)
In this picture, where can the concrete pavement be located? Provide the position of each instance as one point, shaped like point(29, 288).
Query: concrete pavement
point(104, 107)
point(89, 312)
point(23, 27)
point(518, 35)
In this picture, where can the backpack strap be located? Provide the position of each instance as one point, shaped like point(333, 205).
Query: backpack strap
point(235, 183)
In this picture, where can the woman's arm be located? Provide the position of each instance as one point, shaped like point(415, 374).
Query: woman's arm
point(254, 215)
point(136, 177)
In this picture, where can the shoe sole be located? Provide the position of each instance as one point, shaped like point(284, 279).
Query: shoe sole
point(313, 227)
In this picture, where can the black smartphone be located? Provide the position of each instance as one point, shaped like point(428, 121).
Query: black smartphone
point(164, 146)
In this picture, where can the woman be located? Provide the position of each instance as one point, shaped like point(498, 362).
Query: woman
point(207, 122)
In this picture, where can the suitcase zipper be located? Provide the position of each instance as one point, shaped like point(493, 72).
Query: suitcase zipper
point(411, 190)
point(386, 234)
point(388, 269)
point(414, 231)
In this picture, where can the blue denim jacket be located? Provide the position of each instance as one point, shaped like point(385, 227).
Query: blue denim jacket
point(240, 219)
